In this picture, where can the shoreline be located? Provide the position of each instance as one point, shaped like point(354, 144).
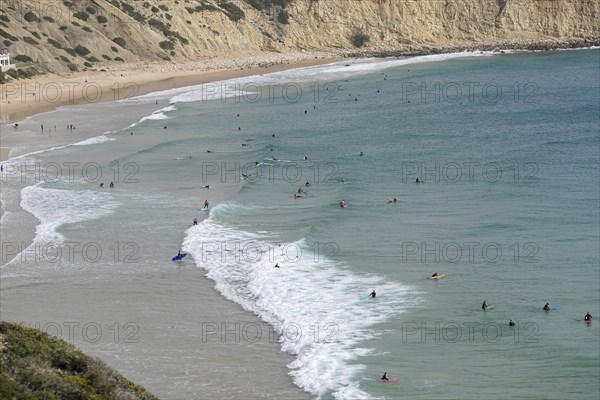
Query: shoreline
point(72, 89)
point(24, 98)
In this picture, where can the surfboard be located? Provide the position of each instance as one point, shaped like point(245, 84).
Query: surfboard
point(488, 308)
point(203, 209)
point(437, 277)
point(179, 257)
point(388, 380)
point(551, 308)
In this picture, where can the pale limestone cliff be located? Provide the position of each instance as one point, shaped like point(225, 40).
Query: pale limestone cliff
point(49, 31)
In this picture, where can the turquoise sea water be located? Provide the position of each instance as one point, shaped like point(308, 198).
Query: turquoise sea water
point(507, 149)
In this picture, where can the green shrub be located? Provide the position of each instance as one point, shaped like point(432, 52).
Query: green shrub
point(166, 45)
point(233, 12)
point(155, 9)
point(2, 380)
point(119, 59)
point(7, 43)
point(113, 48)
point(30, 17)
point(163, 7)
point(90, 10)
point(65, 59)
point(55, 43)
point(4, 18)
point(47, 18)
point(106, 57)
point(81, 50)
point(359, 38)
point(283, 17)
point(88, 64)
point(168, 16)
point(73, 67)
point(206, 7)
point(30, 40)
point(87, 29)
point(22, 58)
point(93, 59)
point(7, 35)
point(146, 4)
point(75, 23)
point(101, 19)
point(36, 35)
point(63, 28)
point(120, 41)
point(81, 15)
point(68, 4)
point(71, 52)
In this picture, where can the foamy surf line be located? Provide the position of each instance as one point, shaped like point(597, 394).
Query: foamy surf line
point(301, 300)
point(54, 207)
point(94, 140)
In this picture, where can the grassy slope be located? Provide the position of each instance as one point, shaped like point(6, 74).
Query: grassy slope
point(35, 365)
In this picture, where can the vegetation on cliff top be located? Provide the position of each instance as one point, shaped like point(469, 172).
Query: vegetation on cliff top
point(35, 365)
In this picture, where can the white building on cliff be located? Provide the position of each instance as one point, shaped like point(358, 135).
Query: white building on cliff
point(5, 64)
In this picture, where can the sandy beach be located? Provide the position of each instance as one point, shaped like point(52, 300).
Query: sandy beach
point(27, 97)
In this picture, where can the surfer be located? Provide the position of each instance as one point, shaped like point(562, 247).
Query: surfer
point(206, 187)
point(179, 253)
point(299, 189)
point(588, 317)
point(373, 294)
point(436, 274)
point(342, 204)
point(307, 183)
point(361, 153)
point(112, 185)
point(511, 323)
point(276, 265)
point(305, 158)
point(418, 180)
point(547, 306)
point(205, 203)
point(195, 221)
point(102, 184)
point(394, 200)
point(484, 306)
point(384, 377)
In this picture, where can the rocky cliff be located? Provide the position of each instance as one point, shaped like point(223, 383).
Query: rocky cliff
point(78, 34)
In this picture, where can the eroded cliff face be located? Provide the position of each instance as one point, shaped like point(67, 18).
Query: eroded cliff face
point(69, 35)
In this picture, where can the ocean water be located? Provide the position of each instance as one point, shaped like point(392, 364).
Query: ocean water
point(507, 150)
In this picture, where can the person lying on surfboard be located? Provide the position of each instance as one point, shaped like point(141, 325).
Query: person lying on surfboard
point(384, 377)
point(434, 275)
point(373, 294)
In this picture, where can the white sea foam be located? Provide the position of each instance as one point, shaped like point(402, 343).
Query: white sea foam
point(94, 140)
point(54, 207)
point(156, 115)
point(315, 304)
point(86, 142)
